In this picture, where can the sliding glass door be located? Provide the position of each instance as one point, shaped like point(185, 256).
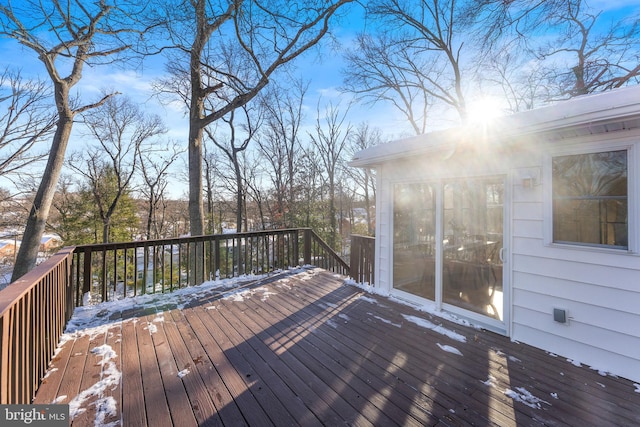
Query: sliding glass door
point(457, 226)
point(473, 220)
point(414, 219)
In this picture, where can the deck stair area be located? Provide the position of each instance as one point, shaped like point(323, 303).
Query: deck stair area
point(304, 347)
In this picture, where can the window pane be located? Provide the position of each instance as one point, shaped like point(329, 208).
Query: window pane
point(590, 198)
point(414, 239)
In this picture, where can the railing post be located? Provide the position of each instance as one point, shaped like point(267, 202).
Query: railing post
point(87, 273)
point(354, 264)
point(216, 256)
point(307, 246)
point(296, 248)
point(69, 294)
point(5, 349)
point(104, 275)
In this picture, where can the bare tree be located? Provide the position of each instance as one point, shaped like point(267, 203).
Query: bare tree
point(119, 128)
point(332, 132)
point(363, 137)
point(232, 51)
point(600, 60)
point(212, 177)
point(154, 161)
point(379, 70)
point(584, 55)
point(414, 61)
point(262, 209)
point(311, 190)
point(232, 145)
point(279, 145)
point(26, 119)
point(500, 20)
point(65, 36)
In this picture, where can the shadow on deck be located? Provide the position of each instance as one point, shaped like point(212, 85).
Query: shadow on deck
point(303, 348)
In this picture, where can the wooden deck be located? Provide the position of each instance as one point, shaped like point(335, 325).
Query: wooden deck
point(303, 348)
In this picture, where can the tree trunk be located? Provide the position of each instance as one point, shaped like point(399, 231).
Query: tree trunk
point(150, 214)
point(332, 211)
point(196, 206)
point(36, 222)
point(239, 194)
point(105, 229)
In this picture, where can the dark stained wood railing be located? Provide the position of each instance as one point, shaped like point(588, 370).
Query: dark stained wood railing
point(35, 309)
point(33, 313)
point(362, 259)
point(118, 270)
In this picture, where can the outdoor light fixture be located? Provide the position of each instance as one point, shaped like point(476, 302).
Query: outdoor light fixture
point(530, 177)
point(528, 182)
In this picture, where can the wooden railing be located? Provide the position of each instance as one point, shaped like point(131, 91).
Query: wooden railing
point(35, 309)
point(361, 259)
point(33, 313)
point(112, 271)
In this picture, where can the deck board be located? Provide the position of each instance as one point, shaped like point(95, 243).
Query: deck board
point(133, 409)
point(69, 386)
point(177, 397)
point(189, 354)
point(303, 348)
point(155, 398)
point(90, 375)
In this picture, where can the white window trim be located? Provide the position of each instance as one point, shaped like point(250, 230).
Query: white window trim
point(627, 143)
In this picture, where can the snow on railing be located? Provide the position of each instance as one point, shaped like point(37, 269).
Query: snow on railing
point(106, 272)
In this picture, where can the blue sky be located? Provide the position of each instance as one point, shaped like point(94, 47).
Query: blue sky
point(322, 70)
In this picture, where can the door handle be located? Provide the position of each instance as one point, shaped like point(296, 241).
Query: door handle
point(501, 255)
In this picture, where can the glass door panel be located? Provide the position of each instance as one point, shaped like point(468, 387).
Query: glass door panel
point(414, 227)
point(473, 212)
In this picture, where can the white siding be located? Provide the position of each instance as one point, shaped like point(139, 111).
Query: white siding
point(596, 357)
point(384, 233)
point(598, 288)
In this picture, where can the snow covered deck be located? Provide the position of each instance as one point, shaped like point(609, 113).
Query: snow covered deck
point(303, 348)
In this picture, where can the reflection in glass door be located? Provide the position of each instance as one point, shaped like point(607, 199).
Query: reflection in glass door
point(473, 212)
point(414, 226)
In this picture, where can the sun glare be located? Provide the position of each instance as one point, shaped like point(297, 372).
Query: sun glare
point(483, 110)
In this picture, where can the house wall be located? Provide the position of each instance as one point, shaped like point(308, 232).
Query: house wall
point(598, 288)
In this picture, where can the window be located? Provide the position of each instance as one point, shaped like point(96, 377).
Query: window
point(590, 205)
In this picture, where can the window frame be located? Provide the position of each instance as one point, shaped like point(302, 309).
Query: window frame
point(628, 145)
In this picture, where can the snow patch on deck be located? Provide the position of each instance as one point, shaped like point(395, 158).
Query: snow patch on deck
point(109, 379)
point(436, 328)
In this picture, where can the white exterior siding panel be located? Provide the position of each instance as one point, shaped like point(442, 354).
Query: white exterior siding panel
point(582, 272)
point(612, 259)
point(527, 211)
point(384, 237)
point(527, 228)
point(597, 358)
point(581, 316)
point(555, 288)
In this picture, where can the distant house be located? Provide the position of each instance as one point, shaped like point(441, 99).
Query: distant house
point(529, 227)
point(7, 250)
point(50, 243)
